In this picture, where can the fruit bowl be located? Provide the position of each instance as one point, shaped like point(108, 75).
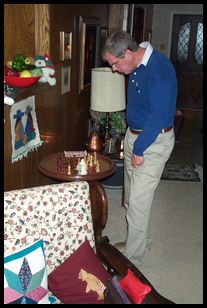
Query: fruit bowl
point(21, 82)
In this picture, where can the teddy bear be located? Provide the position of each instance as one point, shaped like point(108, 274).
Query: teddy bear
point(47, 68)
point(93, 283)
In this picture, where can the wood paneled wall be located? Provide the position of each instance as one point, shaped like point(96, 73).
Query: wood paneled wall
point(26, 29)
point(62, 119)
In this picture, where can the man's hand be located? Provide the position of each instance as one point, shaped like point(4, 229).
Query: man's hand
point(137, 160)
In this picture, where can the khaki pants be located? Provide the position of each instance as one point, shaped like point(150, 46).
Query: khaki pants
point(139, 187)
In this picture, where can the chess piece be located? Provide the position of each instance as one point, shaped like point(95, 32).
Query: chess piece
point(82, 167)
point(97, 166)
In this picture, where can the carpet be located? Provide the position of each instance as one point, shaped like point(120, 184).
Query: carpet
point(182, 172)
point(174, 264)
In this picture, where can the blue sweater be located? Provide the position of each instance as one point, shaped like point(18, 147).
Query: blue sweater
point(151, 99)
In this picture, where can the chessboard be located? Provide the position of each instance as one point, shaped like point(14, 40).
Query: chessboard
point(75, 162)
point(69, 166)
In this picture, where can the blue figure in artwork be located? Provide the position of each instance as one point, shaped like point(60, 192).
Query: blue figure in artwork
point(20, 137)
point(29, 128)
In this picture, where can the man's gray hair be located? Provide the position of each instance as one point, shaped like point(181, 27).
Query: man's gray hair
point(117, 42)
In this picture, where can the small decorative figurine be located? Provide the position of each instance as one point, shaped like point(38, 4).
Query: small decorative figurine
point(47, 67)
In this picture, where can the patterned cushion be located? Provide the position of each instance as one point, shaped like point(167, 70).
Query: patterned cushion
point(60, 214)
point(25, 276)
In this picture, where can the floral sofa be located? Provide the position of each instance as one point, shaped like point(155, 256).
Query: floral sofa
point(52, 233)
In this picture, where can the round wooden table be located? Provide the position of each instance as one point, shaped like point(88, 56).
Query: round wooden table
point(55, 166)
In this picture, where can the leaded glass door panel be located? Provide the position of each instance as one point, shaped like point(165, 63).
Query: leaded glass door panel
point(187, 57)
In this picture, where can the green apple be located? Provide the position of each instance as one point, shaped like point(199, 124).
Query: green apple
point(36, 72)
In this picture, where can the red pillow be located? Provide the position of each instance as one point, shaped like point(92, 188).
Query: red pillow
point(80, 279)
point(134, 288)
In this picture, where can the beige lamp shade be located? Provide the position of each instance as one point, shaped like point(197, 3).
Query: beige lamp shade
point(107, 90)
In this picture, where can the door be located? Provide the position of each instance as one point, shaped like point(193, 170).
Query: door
point(138, 24)
point(187, 57)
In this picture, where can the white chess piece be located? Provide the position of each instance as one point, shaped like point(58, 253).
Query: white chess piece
point(82, 167)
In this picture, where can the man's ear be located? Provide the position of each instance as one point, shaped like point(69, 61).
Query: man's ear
point(128, 51)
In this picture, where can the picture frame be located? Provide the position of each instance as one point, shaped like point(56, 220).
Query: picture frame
point(65, 46)
point(103, 36)
point(89, 32)
point(65, 79)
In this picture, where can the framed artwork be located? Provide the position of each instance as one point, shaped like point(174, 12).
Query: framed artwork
point(104, 34)
point(65, 46)
point(65, 79)
point(89, 31)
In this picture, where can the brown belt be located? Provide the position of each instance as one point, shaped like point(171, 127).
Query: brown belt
point(138, 131)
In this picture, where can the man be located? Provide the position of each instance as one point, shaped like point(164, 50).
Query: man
point(149, 140)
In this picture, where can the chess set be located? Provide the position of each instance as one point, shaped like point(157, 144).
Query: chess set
point(77, 163)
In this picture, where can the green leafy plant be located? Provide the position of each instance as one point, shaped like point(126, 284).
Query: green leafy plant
point(116, 120)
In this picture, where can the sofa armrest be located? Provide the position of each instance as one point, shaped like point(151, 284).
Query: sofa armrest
point(116, 262)
point(111, 257)
point(99, 208)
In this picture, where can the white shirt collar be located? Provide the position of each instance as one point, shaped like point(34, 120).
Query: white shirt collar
point(147, 53)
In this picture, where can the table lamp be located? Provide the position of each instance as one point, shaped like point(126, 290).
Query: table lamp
point(107, 93)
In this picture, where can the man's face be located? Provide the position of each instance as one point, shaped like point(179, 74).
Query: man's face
point(122, 64)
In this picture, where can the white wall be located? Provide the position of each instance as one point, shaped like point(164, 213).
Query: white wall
point(162, 23)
